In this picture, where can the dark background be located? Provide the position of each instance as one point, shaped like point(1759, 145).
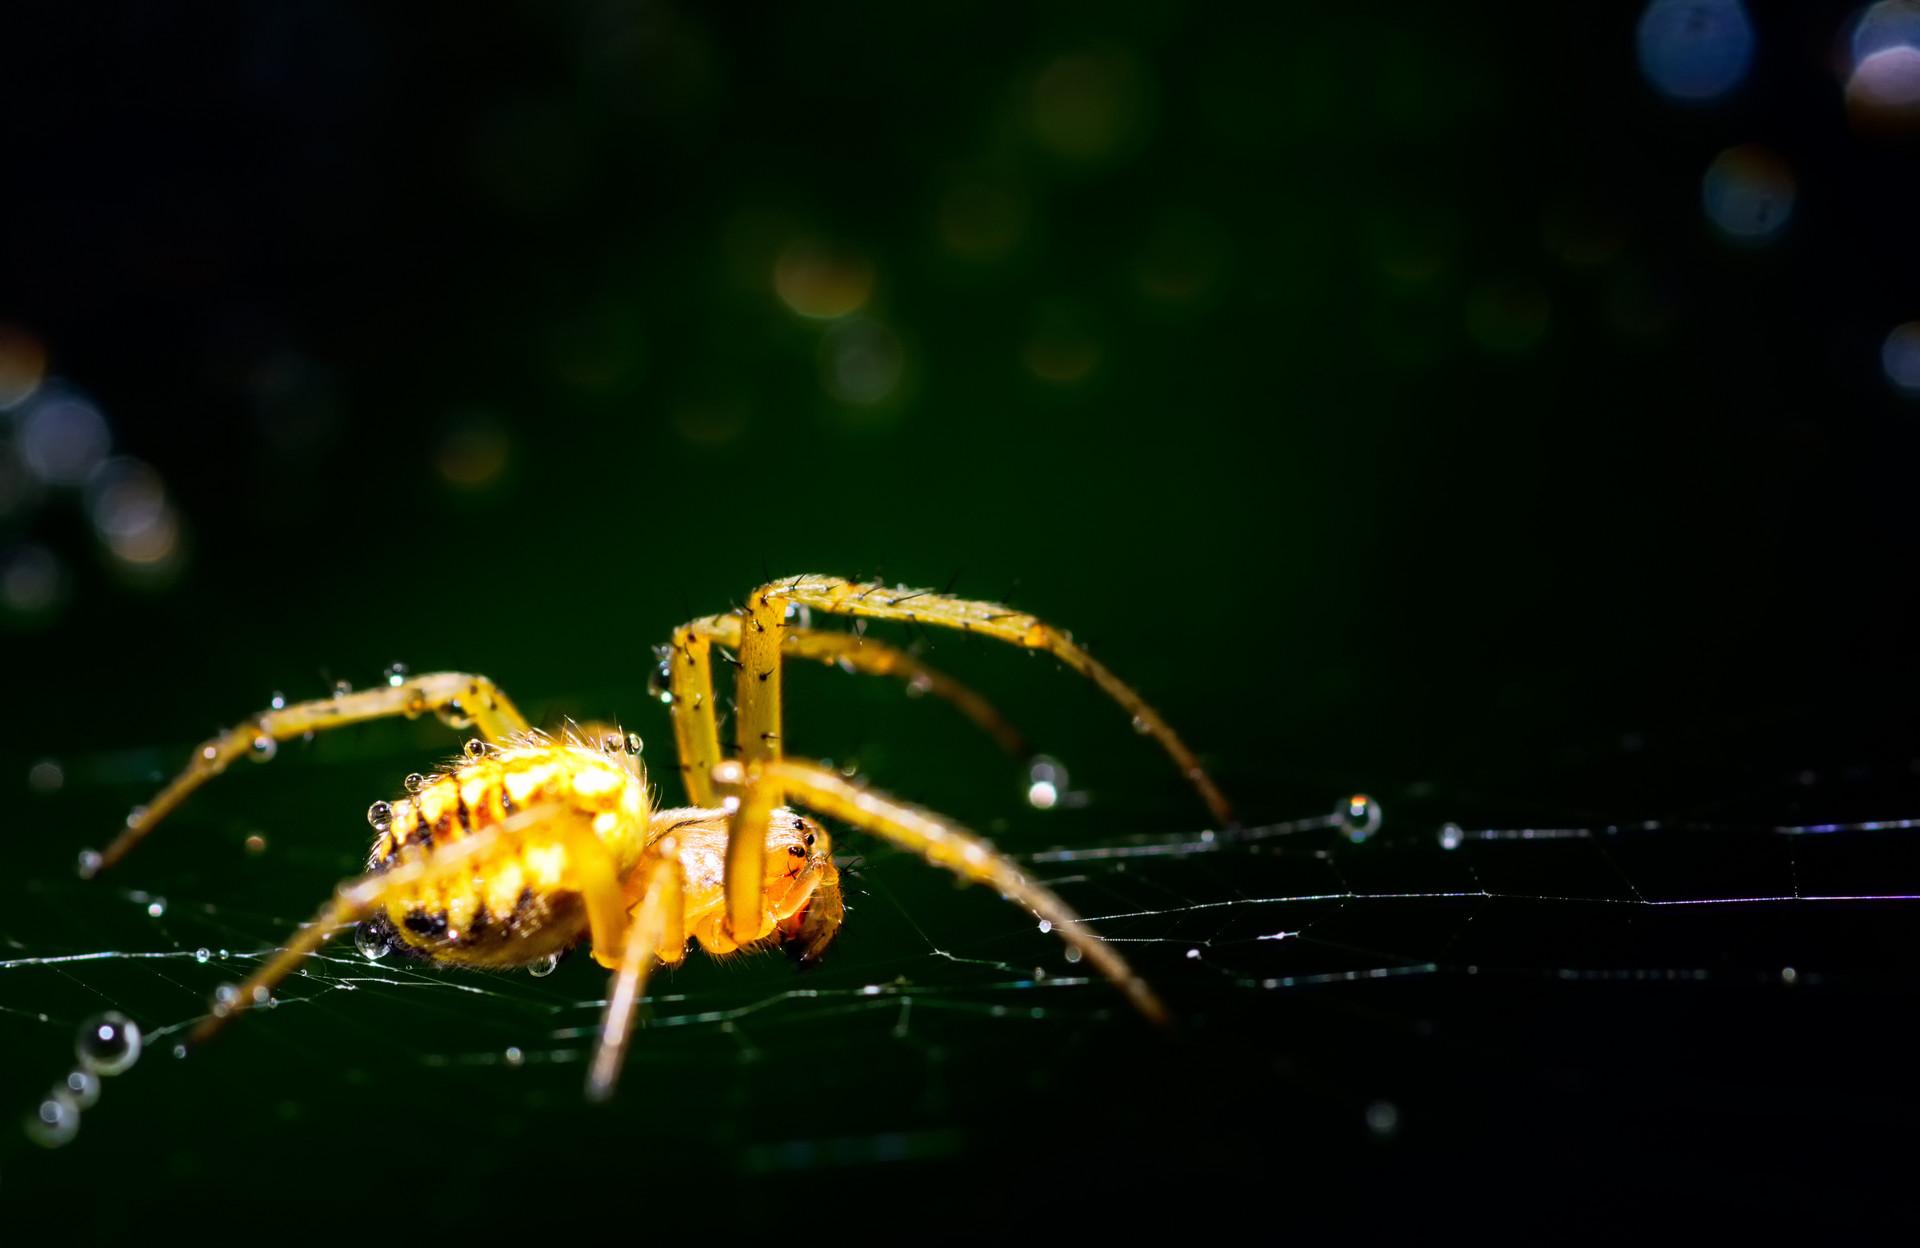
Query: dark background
point(1366, 385)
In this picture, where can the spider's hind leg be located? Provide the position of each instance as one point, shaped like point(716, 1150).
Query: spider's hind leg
point(760, 786)
point(456, 697)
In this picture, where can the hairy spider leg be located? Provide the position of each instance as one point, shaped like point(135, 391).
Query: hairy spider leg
point(457, 697)
point(758, 693)
point(758, 683)
point(762, 785)
point(697, 733)
point(658, 929)
point(590, 870)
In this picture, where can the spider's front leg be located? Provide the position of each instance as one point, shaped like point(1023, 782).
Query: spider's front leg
point(696, 727)
point(763, 785)
point(457, 697)
point(763, 636)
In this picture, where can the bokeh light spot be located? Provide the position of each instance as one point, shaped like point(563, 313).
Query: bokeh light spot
point(1510, 318)
point(1884, 89)
point(31, 580)
point(1748, 194)
point(1695, 50)
point(821, 281)
point(63, 438)
point(862, 362)
point(1090, 106)
point(1888, 24)
point(23, 365)
point(1900, 357)
point(1183, 259)
point(980, 220)
point(1061, 347)
point(127, 502)
point(473, 455)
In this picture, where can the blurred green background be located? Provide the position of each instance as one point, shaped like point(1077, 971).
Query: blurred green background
point(1382, 390)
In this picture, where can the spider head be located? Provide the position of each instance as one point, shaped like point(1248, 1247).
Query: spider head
point(808, 931)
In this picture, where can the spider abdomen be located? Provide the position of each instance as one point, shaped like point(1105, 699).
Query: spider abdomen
point(515, 901)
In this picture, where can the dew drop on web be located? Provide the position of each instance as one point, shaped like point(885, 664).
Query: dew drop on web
point(108, 1043)
point(372, 941)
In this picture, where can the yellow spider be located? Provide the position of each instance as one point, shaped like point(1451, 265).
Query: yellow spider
point(527, 843)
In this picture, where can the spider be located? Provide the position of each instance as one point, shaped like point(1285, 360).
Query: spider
point(528, 843)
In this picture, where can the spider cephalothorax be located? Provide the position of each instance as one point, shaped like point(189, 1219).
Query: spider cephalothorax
point(528, 843)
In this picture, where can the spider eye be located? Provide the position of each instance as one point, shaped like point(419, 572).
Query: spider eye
point(809, 840)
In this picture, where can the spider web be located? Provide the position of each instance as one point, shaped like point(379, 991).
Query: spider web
point(1407, 988)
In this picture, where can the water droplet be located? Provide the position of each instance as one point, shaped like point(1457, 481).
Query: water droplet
point(380, 816)
point(256, 844)
point(415, 782)
point(1789, 976)
point(179, 1051)
point(223, 999)
point(55, 1122)
point(88, 864)
point(1073, 955)
point(84, 1087)
point(1383, 1118)
point(1046, 925)
point(108, 1043)
point(396, 674)
point(264, 748)
point(202, 955)
point(1141, 726)
point(514, 1056)
point(660, 683)
point(920, 686)
point(278, 701)
point(474, 748)
point(210, 751)
point(1451, 836)
point(453, 715)
point(136, 816)
point(544, 967)
point(373, 940)
point(1046, 782)
point(1359, 817)
point(157, 908)
point(341, 688)
point(262, 994)
point(799, 615)
point(1193, 955)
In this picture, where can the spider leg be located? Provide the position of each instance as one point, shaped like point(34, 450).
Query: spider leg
point(764, 629)
point(454, 696)
point(590, 872)
point(696, 730)
point(657, 925)
point(760, 787)
point(351, 902)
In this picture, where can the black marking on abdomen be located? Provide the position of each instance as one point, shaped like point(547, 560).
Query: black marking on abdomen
point(432, 924)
